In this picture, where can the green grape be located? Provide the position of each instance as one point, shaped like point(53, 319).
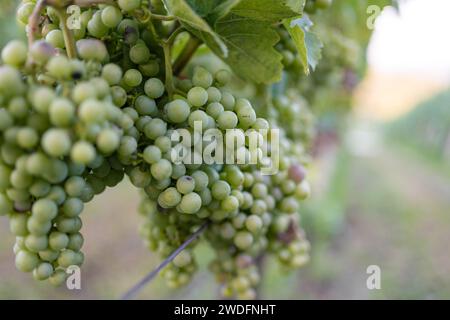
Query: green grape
point(155, 128)
point(48, 255)
point(43, 271)
point(139, 53)
point(67, 258)
point(169, 198)
point(215, 109)
point(182, 259)
point(96, 27)
point(44, 210)
point(177, 111)
point(220, 190)
point(129, 5)
point(201, 180)
point(59, 67)
point(108, 140)
point(111, 16)
point(152, 154)
point(214, 95)
point(56, 194)
point(243, 240)
point(56, 38)
point(228, 101)
point(36, 243)
point(230, 204)
point(82, 153)
point(27, 138)
point(5, 205)
point(227, 120)
point(14, 53)
point(24, 12)
point(92, 111)
point(150, 68)
point(62, 112)
point(223, 77)
point(185, 184)
point(140, 178)
point(132, 78)
point(72, 207)
point(76, 241)
point(58, 278)
point(40, 188)
point(145, 106)
point(112, 73)
point(161, 170)
point(197, 96)
point(154, 88)
point(190, 203)
point(254, 224)
point(56, 142)
point(202, 78)
point(26, 261)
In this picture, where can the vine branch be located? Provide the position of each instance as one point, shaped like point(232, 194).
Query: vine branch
point(33, 21)
point(150, 276)
point(186, 55)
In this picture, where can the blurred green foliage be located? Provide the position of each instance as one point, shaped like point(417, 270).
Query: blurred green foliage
point(9, 27)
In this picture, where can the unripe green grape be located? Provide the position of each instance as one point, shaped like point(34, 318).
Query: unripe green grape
point(18, 108)
point(190, 203)
point(246, 116)
point(96, 27)
point(72, 207)
point(56, 142)
point(108, 140)
point(59, 67)
point(10, 81)
point(36, 243)
point(76, 241)
point(62, 112)
point(229, 204)
point(27, 138)
point(57, 171)
point(15, 53)
point(24, 12)
point(223, 77)
point(132, 78)
point(48, 255)
point(169, 198)
point(214, 94)
point(261, 124)
point(67, 258)
point(6, 120)
point(258, 207)
point(87, 194)
point(140, 178)
point(152, 154)
point(201, 180)
point(128, 146)
point(154, 88)
point(44, 210)
point(220, 190)
point(56, 39)
point(288, 186)
point(183, 259)
point(228, 101)
point(214, 109)
point(111, 16)
point(83, 91)
point(40, 188)
point(145, 106)
point(155, 128)
point(185, 184)
point(161, 170)
point(243, 240)
point(74, 186)
point(197, 96)
point(57, 195)
point(139, 53)
point(289, 205)
point(303, 190)
point(149, 69)
point(177, 111)
point(68, 225)
point(43, 271)
point(119, 96)
point(112, 73)
point(18, 224)
point(58, 278)
point(26, 261)
point(254, 224)
point(6, 205)
point(129, 5)
point(92, 111)
point(227, 120)
point(82, 153)
point(202, 78)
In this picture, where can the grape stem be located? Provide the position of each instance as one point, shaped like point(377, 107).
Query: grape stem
point(186, 55)
point(33, 22)
point(161, 17)
point(69, 39)
point(170, 87)
point(141, 284)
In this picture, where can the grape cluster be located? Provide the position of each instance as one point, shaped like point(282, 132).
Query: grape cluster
point(72, 127)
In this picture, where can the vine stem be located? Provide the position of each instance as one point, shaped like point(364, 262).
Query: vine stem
point(150, 276)
point(69, 39)
point(169, 72)
point(33, 22)
point(186, 55)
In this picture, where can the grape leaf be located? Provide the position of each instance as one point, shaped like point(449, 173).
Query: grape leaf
point(269, 10)
point(308, 44)
point(222, 10)
point(251, 48)
point(194, 23)
point(203, 7)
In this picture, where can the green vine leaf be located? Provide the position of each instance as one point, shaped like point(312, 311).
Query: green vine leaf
point(192, 21)
point(251, 48)
point(308, 43)
point(269, 10)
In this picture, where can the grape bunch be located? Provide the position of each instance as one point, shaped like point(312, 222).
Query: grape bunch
point(77, 115)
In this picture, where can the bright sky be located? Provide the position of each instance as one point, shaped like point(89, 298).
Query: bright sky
point(416, 41)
